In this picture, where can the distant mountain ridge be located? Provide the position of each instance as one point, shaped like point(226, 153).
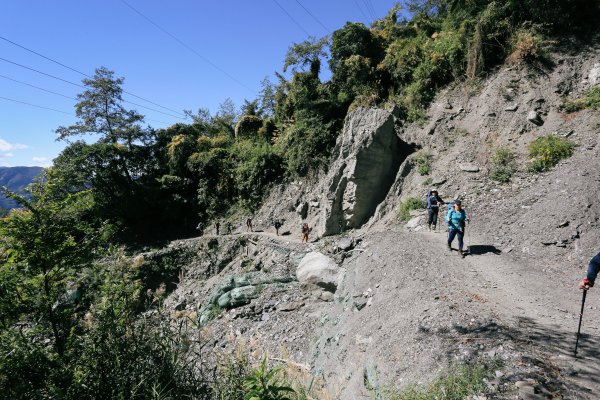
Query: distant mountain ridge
point(16, 179)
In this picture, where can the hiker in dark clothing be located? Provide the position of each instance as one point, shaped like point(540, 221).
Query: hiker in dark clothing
point(217, 227)
point(277, 224)
point(305, 232)
point(456, 219)
point(249, 225)
point(592, 273)
point(229, 228)
point(433, 208)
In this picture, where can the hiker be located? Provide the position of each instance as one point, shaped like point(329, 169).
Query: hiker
point(592, 272)
point(229, 228)
point(456, 224)
point(249, 225)
point(433, 207)
point(277, 224)
point(217, 227)
point(305, 232)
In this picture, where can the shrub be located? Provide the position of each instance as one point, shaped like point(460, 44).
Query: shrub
point(423, 162)
point(503, 165)
point(248, 126)
point(546, 151)
point(265, 383)
point(527, 47)
point(590, 100)
point(459, 382)
point(412, 203)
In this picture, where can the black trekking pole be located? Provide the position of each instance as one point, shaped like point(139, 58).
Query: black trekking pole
point(580, 319)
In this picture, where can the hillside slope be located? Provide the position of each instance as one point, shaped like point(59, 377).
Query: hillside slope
point(15, 179)
point(405, 308)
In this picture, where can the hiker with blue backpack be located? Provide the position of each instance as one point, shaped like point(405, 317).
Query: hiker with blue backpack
point(434, 201)
point(456, 218)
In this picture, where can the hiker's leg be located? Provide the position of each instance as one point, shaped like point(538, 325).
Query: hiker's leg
point(430, 216)
point(434, 216)
point(460, 235)
point(451, 235)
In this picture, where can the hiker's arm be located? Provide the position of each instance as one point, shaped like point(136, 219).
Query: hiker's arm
point(592, 272)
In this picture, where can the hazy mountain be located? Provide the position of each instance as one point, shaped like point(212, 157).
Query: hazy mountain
point(16, 179)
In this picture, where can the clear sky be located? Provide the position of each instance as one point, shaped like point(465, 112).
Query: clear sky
point(243, 41)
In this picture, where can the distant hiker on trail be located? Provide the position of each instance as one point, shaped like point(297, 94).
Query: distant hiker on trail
point(433, 208)
point(592, 273)
point(305, 232)
point(229, 228)
point(249, 225)
point(277, 224)
point(456, 219)
point(217, 227)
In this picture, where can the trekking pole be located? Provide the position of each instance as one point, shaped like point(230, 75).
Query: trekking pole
point(580, 319)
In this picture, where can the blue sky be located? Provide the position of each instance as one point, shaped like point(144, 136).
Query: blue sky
point(246, 39)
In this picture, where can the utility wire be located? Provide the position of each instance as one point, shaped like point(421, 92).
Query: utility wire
point(189, 48)
point(35, 105)
point(82, 73)
point(74, 84)
point(292, 18)
point(361, 10)
point(370, 12)
point(37, 87)
point(315, 18)
point(372, 8)
point(42, 73)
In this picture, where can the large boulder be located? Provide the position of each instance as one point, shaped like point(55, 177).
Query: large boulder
point(367, 157)
point(316, 269)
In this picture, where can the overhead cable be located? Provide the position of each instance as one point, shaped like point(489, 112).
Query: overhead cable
point(292, 18)
point(313, 17)
point(189, 48)
point(84, 74)
point(74, 84)
point(35, 105)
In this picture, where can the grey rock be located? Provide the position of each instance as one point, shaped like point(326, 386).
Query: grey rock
point(513, 107)
point(345, 244)
point(535, 118)
point(413, 223)
point(367, 157)
point(317, 269)
point(302, 210)
point(291, 306)
point(468, 167)
point(594, 75)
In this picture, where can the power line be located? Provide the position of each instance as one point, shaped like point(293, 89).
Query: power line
point(37, 87)
point(372, 8)
point(315, 18)
point(370, 12)
point(42, 73)
point(35, 105)
point(361, 10)
point(189, 48)
point(74, 84)
point(83, 73)
point(292, 18)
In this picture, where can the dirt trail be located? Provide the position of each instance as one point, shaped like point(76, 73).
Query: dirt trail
point(543, 304)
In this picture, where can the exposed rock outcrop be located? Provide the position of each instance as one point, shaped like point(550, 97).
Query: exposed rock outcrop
point(318, 270)
point(366, 160)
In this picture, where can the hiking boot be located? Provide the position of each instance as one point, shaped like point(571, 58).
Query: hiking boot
point(449, 248)
point(433, 228)
point(462, 253)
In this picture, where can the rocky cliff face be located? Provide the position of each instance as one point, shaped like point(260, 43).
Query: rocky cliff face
point(365, 163)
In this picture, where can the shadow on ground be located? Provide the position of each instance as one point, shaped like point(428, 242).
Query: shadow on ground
point(532, 351)
point(477, 250)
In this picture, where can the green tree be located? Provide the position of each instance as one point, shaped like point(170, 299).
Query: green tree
point(309, 52)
